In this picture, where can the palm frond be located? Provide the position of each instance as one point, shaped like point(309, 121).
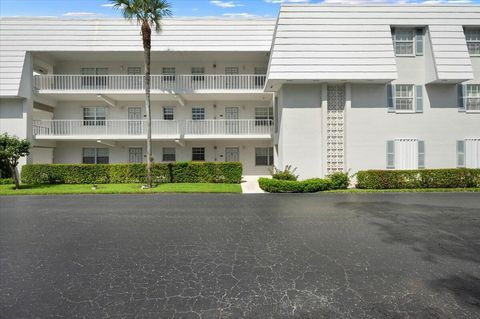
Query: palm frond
point(150, 11)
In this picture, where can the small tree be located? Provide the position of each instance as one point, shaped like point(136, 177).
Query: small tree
point(11, 149)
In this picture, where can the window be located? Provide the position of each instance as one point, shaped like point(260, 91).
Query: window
point(404, 41)
point(264, 156)
point(198, 113)
point(168, 113)
point(408, 41)
point(95, 155)
point(168, 154)
point(263, 116)
point(94, 116)
point(473, 41)
point(468, 153)
point(92, 77)
point(473, 97)
point(136, 80)
point(405, 153)
point(404, 97)
point(196, 71)
point(198, 153)
point(169, 73)
point(135, 155)
point(134, 70)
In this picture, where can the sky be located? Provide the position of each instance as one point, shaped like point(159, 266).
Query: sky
point(181, 8)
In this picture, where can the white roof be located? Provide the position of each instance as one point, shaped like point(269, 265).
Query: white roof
point(19, 35)
point(319, 42)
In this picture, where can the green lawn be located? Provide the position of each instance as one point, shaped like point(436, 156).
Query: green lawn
point(119, 189)
point(407, 190)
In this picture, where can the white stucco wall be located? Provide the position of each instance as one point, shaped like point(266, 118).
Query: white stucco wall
point(300, 131)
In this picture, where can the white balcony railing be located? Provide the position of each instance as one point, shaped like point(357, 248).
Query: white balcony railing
point(103, 128)
point(159, 83)
point(93, 129)
point(228, 127)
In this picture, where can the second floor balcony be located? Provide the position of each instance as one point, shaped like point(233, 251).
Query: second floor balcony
point(177, 83)
point(161, 129)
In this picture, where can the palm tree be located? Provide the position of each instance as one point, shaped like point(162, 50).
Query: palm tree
point(148, 13)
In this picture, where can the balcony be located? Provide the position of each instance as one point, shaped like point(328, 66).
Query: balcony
point(104, 129)
point(120, 84)
point(161, 129)
point(242, 129)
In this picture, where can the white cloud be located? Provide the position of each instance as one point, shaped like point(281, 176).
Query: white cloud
point(82, 14)
point(287, 1)
point(240, 15)
point(108, 5)
point(226, 4)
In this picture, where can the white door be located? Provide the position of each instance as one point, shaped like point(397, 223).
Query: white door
point(135, 120)
point(231, 78)
point(135, 79)
point(135, 155)
point(232, 154)
point(231, 123)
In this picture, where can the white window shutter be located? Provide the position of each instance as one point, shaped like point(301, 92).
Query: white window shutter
point(391, 154)
point(419, 42)
point(419, 99)
point(461, 153)
point(391, 98)
point(462, 94)
point(421, 154)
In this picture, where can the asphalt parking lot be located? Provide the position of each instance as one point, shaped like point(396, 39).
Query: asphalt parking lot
point(240, 256)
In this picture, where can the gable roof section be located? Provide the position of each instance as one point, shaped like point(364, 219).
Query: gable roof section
point(19, 35)
point(322, 42)
point(450, 52)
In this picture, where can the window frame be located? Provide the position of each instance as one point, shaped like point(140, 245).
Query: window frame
point(169, 73)
point(265, 119)
point(404, 41)
point(165, 155)
point(198, 151)
point(168, 114)
point(468, 98)
point(198, 73)
point(96, 156)
point(95, 119)
point(269, 156)
point(411, 98)
point(475, 42)
point(200, 116)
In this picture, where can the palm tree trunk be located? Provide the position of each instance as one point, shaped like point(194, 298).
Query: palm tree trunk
point(146, 35)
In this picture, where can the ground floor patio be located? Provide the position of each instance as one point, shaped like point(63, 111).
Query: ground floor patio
point(241, 256)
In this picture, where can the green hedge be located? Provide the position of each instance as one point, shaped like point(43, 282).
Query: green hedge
point(6, 181)
point(180, 172)
point(424, 178)
point(312, 185)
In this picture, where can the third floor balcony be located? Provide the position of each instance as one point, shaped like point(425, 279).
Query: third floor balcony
point(159, 84)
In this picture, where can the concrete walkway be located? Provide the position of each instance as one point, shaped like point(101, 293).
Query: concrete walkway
point(250, 184)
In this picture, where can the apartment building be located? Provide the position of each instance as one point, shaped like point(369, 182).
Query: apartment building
point(322, 88)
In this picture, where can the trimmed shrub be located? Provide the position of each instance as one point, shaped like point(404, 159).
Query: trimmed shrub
point(424, 178)
point(6, 181)
point(288, 174)
point(312, 185)
point(339, 180)
point(180, 172)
